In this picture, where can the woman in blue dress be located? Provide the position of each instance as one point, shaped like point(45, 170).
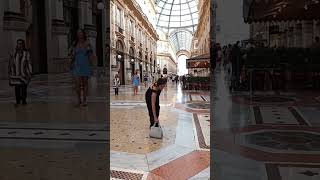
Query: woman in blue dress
point(81, 66)
point(135, 82)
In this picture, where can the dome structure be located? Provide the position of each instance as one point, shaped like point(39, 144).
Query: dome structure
point(177, 14)
point(178, 19)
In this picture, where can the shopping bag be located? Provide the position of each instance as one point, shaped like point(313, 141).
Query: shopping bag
point(156, 132)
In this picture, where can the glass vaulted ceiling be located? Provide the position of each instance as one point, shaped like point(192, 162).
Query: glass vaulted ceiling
point(181, 40)
point(179, 18)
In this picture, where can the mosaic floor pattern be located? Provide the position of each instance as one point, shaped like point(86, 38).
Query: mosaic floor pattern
point(50, 138)
point(264, 137)
point(177, 156)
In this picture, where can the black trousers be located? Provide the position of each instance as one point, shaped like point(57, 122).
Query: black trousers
point(116, 91)
point(21, 93)
point(151, 113)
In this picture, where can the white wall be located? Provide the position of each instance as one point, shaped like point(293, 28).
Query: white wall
point(230, 19)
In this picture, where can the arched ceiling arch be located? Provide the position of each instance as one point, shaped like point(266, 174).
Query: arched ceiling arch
point(181, 40)
point(177, 14)
point(178, 19)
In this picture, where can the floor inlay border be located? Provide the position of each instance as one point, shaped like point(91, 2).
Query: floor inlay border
point(201, 140)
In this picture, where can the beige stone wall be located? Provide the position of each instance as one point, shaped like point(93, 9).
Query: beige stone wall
point(201, 41)
point(295, 34)
point(166, 60)
point(140, 35)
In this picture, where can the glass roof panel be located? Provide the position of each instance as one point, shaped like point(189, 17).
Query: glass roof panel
point(181, 40)
point(179, 19)
point(178, 10)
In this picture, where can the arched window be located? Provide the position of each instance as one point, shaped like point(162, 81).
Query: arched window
point(119, 46)
point(131, 52)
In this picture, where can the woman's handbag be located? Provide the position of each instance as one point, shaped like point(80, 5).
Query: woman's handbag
point(156, 131)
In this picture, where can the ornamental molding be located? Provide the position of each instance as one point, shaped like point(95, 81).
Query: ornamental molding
point(13, 21)
point(59, 27)
point(91, 30)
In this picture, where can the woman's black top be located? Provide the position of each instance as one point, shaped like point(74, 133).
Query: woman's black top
point(149, 97)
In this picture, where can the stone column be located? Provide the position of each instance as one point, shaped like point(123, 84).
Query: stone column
point(13, 6)
point(307, 28)
point(59, 40)
point(92, 35)
point(85, 22)
point(13, 27)
point(298, 35)
point(317, 29)
point(290, 37)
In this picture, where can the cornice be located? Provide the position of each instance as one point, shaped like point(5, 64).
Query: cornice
point(135, 8)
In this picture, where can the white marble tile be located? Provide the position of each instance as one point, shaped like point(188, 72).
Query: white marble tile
point(203, 175)
point(128, 161)
point(310, 114)
point(184, 131)
point(196, 98)
point(277, 115)
point(205, 127)
point(165, 155)
point(207, 98)
point(230, 167)
point(54, 134)
point(299, 173)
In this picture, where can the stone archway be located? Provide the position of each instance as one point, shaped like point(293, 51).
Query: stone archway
point(120, 51)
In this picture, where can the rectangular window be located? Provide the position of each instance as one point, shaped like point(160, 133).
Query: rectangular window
point(118, 19)
point(131, 27)
point(122, 20)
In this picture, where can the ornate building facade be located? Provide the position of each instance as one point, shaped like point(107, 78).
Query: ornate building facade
point(166, 55)
point(283, 23)
point(201, 41)
point(286, 34)
point(133, 41)
point(198, 64)
point(49, 28)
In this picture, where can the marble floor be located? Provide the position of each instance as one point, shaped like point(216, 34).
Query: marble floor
point(50, 138)
point(264, 136)
point(183, 153)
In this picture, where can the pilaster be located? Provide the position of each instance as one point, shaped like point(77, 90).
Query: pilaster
point(298, 35)
point(307, 28)
point(13, 27)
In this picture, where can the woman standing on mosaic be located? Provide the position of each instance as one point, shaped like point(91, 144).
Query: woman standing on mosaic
point(20, 70)
point(152, 100)
point(81, 65)
point(135, 82)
